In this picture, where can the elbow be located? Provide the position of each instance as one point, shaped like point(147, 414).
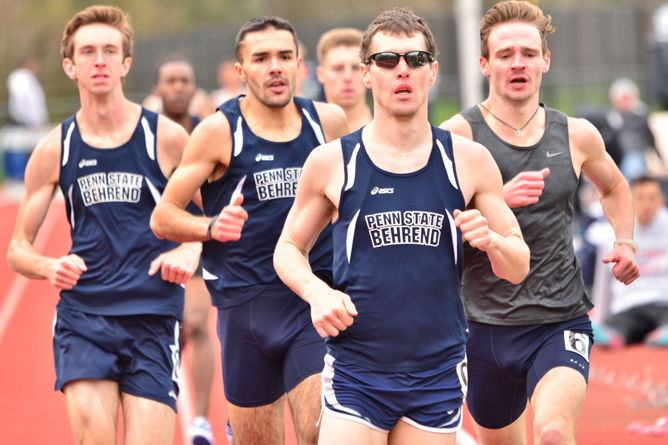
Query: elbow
point(155, 225)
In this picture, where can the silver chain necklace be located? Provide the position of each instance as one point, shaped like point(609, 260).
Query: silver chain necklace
point(518, 131)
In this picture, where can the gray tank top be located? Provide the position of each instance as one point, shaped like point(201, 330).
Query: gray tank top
point(553, 291)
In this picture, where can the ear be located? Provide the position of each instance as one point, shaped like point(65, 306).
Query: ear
point(240, 71)
point(69, 68)
point(434, 72)
point(319, 73)
point(366, 76)
point(125, 66)
point(546, 59)
point(484, 66)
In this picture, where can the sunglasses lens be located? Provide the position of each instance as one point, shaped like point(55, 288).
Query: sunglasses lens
point(416, 59)
point(386, 60)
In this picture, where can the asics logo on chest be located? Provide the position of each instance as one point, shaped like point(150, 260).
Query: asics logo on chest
point(87, 163)
point(261, 157)
point(382, 190)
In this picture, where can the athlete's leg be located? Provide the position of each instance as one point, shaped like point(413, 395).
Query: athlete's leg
point(556, 402)
point(405, 434)
point(513, 434)
point(196, 334)
point(305, 406)
point(336, 430)
point(92, 406)
point(257, 425)
point(146, 421)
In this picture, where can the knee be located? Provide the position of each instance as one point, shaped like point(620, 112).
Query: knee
point(554, 433)
point(195, 326)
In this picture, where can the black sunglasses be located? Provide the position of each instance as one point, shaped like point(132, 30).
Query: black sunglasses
point(414, 59)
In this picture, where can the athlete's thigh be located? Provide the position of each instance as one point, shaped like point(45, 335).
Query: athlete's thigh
point(335, 430)
point(259, 424)
point(305, 405)
point(305, 352)
point(405, 434)
point(557, 400)
point(566, 344)
point(252, 378)
point(497, 366)
point(147, 422)
point(92, 407)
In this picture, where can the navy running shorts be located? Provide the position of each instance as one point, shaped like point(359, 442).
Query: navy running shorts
point(140, 352)
point(430, 400)
point(268, 346)
point(505, 364)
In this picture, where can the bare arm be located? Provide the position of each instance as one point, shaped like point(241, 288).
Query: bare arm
point(590, 158)
point(488, 223)
point(333, 119)
point(315, 205)
point(207, 155)
point(41, 180)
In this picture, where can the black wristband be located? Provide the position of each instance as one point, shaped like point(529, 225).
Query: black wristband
point(208, 230)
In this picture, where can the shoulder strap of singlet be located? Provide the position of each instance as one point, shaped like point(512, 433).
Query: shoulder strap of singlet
point(307, 108)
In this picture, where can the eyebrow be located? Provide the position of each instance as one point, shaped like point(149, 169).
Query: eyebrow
point(264, 53)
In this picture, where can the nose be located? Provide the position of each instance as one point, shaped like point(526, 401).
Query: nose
point(518, 60)
point(275, 68)
point(99, 60)
point(402, 67)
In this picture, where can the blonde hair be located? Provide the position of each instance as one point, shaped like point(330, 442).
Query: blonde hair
point(107, 15)
point(334, 38)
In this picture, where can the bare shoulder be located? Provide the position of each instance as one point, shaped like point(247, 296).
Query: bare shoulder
point(476, 168)
point(44, 163)
point(171, 134)
point(215, 125)
point(333, 119)
point(584, 137)
point(326, 157)
point(458, 125)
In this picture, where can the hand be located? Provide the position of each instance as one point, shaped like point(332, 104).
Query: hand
point(332, 311)
point(525, 188)
point(625, 269)
point(474, 228)
point(178, 264)
point(66, 270)
point(230, 221)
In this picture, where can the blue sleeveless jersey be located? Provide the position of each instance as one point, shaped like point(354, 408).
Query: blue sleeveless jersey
point(109, 197)
point(266, 173)
point(398, 255)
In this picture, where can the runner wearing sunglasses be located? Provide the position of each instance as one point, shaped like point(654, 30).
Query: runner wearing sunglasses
point(394, 321)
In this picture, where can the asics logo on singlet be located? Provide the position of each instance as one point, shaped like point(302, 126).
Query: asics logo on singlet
point(87, 163)
point(261, 157)
point(382, 190)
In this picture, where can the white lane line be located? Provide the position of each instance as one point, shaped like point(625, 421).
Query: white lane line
point(19, 284)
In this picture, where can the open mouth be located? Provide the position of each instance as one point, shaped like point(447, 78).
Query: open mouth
point(403, 89)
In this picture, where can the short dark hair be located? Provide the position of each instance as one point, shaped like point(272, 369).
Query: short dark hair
point(397, 21)
point(645, 179)
point(172, 58)
point(260, 24)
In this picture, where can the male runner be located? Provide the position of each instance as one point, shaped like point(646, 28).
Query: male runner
point(175, 86)
point(533, 340)
point(256, 145)
point(396, 191)
point(116, 333)
point(339, 73)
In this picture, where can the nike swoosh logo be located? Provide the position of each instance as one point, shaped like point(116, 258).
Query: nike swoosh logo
point(550, 154)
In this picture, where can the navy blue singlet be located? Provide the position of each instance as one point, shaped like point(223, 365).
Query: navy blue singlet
point(266, 173)
point(109, 196)
point(398, 255)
